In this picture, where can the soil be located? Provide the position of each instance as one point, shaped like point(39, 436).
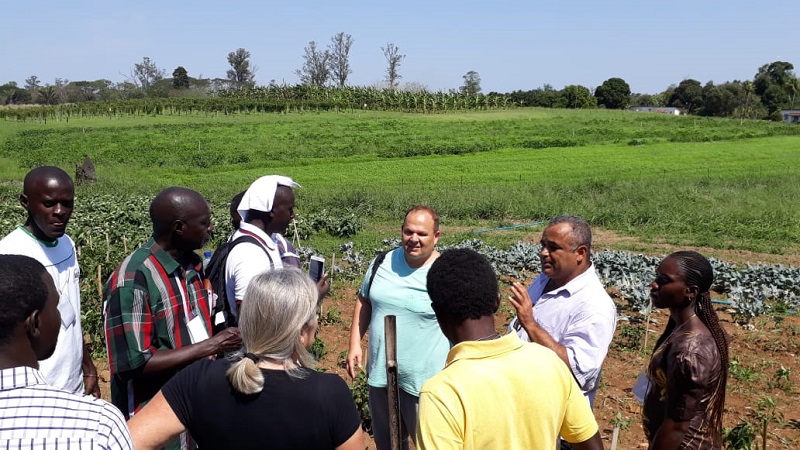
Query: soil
point(766, 351)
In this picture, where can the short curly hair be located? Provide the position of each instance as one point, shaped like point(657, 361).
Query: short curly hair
point(463, 285)
point(21, 291)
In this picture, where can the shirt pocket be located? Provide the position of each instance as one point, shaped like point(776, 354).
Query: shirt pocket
point(68, 313)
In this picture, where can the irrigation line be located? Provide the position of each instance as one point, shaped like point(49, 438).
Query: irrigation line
point(510, 227)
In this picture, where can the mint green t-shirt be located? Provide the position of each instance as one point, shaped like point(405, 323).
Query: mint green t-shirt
point(421, 347)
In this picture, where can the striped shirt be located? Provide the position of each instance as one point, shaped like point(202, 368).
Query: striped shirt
point(36, 415)
point(149, 301)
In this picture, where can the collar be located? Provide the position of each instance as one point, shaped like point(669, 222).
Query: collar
point(250, 228)
point(574, 285)
point(167, 261)
point(19, 377)
point(50, 244)
point(483, 349)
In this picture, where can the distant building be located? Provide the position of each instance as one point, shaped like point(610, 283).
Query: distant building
point(791, 115)
point(658, 109)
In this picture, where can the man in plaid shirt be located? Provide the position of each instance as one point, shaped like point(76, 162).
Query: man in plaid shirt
point(157, 315)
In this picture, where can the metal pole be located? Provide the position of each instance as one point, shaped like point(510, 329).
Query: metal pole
point(390, 334)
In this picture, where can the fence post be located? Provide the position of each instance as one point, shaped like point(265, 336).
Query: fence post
point(390, 333)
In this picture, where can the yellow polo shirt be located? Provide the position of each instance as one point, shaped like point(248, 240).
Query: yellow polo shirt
point(504, 394)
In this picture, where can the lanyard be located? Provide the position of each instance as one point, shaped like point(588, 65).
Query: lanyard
point(188, 310)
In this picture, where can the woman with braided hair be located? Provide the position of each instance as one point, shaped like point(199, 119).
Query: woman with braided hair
point(689, 366)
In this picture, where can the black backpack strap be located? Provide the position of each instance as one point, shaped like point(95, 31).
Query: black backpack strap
point(375, 265)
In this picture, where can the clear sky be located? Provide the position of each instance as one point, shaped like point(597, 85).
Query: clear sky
point(520, 44)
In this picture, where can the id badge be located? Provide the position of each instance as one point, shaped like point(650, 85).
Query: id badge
point(641, 388)
point(197, 330)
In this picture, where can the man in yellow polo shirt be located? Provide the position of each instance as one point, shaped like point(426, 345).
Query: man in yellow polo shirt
point(495, 391)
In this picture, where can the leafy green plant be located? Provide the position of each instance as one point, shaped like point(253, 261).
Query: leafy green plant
point(781, 380)
point(331, 316)
point(360, 392)
point(317, 349)
point(740, 372)
point(629, 337)
point(740, 437)
point(620, 421)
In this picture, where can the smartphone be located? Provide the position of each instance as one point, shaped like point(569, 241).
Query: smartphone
point(316, 267)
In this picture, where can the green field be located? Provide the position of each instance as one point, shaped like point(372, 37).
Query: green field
point(691, 181)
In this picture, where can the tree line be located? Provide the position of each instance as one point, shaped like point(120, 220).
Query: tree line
point(774, 87)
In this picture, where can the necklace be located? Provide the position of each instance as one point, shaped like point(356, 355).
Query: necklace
point(675, 331)
point(489, 337)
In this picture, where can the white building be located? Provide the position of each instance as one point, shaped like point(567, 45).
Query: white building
point(791, 115)
point(658, 109)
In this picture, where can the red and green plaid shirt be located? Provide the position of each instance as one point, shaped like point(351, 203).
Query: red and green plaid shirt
point(148, 301)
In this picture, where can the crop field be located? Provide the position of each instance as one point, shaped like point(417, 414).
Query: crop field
point(647, 183)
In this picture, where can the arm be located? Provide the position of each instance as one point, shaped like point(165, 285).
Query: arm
point(522, 303)
point(168, 360)
point(356, 441)
point(669, 435)
point(90, 384)
point(594, 443)
point(155, 425)
point(437, 427)
point(361, 318)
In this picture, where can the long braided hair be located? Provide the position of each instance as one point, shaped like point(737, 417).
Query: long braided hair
point(697, 270)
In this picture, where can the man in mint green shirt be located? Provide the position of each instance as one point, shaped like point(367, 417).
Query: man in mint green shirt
point(399, 289)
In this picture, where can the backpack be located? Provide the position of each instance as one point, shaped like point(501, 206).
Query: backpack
point(215, 273)
point(378, 261)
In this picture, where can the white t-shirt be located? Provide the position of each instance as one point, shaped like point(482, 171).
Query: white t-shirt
point(247, 260)
point(63, 369)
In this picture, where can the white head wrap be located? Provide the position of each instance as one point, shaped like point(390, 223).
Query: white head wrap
point(261, 194)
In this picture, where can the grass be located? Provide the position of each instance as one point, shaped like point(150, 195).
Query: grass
point(697, 182)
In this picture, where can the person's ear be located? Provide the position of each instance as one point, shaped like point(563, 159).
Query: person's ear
point(23, 200)
point(692, 292)
point(32, 325)
point(178, 226)
point(497, 301)
point(582, 251)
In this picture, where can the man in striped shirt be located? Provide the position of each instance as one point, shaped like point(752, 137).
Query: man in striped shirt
point(34, 414)
point(157, 315)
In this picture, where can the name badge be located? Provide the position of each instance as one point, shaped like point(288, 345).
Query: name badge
point(197, 330)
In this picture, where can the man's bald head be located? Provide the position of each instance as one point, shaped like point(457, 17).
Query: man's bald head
point(174, 204)
point(42, 176)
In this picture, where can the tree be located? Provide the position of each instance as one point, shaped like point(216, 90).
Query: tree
point(240, 73)
point(578, 97)
point(688, 96)
point(775, 73)
point(47, 95)
point(393, 59)
point(146, 73)
point(472, 83)
point(32, 83)
point(614, 93)
point(316, 69)
point(11, 94)
point(180, 78)
point(339, 60)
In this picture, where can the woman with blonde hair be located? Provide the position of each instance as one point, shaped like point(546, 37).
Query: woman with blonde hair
point(271, 397)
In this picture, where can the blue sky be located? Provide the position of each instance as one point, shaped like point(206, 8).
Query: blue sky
point(511, 44)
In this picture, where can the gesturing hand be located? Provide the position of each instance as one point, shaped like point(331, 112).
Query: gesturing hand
point(522, 303)
point(227, 340)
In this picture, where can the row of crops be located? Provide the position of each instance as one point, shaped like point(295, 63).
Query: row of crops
point(269, 99)
point(750, 290)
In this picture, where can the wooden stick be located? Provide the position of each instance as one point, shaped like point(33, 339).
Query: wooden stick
point(615, 437)
point(108, 249)
point(125, 244)
point(390, 332)
point(100, 282)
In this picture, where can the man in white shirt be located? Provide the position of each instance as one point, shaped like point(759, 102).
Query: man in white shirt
point(35, 413)
point(48, 196)
point(567, 308)
point(266, 208)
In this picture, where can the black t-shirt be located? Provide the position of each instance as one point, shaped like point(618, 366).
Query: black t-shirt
point(315, 412)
